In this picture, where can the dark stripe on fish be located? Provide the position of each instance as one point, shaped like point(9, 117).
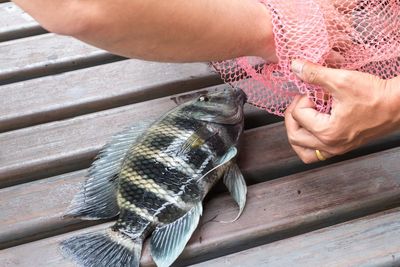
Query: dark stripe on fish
point(159, 141)
point(170, 213)
point(185, 123)
point(196, 157)
point(140, 197)
point(169, 177)
point(129, 222)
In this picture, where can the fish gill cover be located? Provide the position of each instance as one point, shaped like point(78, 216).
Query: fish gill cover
point(358, 35)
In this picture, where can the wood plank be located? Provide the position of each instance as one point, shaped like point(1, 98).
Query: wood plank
point(102, 87)
point(284, 207)
point(54, 148)
point(15, 23)
point(46, 54)
point(53, 195)
point(64, 146)
point(369, 241)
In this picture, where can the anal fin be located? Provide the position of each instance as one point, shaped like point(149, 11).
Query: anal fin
point(168, 241)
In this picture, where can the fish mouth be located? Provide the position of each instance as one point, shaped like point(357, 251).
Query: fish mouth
point(240, 96)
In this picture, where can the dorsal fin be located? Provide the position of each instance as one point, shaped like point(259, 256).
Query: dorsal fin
point(97, 199)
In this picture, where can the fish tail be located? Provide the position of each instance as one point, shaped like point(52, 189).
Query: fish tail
point(100, 249)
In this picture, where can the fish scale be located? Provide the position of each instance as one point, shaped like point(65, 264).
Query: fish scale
point(155, 181)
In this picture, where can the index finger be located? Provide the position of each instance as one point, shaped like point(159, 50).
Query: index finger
point(309, 118)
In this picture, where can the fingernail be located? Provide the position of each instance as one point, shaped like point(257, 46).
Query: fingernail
point(297, 66)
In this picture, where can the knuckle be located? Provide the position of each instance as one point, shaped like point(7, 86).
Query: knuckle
point(295, 113)
point(344, 79)
point(312, 75)
point(328, 140)
point(291, 138)
point(307, 160)
point(287, 113)
point(329, 136)
point(335, 150)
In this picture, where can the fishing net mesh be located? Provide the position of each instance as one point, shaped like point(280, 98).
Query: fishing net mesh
point(359, 35)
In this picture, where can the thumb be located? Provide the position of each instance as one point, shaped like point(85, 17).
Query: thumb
point(316, 74)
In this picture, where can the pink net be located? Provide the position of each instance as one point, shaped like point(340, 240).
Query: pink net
point(357, 35)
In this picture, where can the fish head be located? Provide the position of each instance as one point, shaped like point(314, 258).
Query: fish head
point(220, 107)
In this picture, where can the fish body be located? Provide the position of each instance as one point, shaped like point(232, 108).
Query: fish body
point(155, 182)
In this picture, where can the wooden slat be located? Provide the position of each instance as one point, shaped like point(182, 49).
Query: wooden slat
point(46, 54)
point(369, 241)
point(275, 210)
point(83, 91)
point(53, 195)
point(15, 23)
point(62, 146)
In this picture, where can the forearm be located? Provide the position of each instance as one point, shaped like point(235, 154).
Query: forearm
point(175, 30)
point(393, 100)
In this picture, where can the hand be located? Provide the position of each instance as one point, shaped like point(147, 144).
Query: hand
point(364, 107)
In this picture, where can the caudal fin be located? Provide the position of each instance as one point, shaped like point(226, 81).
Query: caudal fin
point(101, 249)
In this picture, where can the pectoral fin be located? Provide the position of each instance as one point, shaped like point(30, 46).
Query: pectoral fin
point(226, 158)
point(168, 241)
point(236, 185)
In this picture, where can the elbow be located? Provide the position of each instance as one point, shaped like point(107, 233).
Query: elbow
point(76, 21)
point(65, 28)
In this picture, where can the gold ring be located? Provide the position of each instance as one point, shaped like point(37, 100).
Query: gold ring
point(319, 155)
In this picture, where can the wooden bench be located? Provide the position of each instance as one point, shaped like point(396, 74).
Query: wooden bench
point(61, 100)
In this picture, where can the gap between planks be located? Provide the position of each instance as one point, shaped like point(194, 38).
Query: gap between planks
point(63, 146)
point(367, 241)
point(285, 207)
point(47, 54)
point(43, 216)
point(15, 23)
point(98, 88)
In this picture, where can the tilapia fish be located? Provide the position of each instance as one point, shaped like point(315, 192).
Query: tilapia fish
point(155, 179)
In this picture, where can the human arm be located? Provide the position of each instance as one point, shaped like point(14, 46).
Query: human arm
point(175, 30)
point(364, 108)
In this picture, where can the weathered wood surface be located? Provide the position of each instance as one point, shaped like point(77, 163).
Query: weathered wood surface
point(49, 149)
point(92, 89)
point(42, 217)
point(63, 146)
point(276, 209)
point(265, 154)
point(46, 54)
point(370, 241)
point(15, 23)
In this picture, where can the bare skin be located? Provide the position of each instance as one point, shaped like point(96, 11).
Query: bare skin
point(175, 31)
point(365, 107)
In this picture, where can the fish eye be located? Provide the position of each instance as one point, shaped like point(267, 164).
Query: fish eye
point(204, 98)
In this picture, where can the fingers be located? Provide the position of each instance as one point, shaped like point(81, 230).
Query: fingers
point(307, 117)
point(329, 79)
point(308, 155)
point(302, 141)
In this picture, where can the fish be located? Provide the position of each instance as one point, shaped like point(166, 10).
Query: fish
point(153, 177)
